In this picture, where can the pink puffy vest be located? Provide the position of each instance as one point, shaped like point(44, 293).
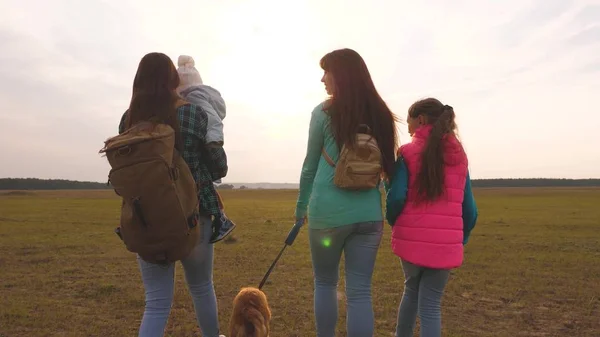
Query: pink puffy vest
point(431, 234)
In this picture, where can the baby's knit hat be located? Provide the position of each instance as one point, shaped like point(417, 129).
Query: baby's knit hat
point(188, 74)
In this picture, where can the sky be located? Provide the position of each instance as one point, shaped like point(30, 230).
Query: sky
point(521, 76)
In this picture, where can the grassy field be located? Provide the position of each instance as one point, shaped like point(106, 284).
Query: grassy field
point(532, 267)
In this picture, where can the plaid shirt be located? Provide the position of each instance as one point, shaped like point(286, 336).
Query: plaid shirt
point(207, 163)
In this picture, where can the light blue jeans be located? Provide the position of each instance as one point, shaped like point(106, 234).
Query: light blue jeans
point(423, 291)
point(159, 284)
point(359, 242)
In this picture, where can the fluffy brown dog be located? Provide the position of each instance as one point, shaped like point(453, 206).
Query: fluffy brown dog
point(251, 314)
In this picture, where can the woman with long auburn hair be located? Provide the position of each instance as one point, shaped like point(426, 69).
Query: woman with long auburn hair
point(342, 220)
point(155, 98)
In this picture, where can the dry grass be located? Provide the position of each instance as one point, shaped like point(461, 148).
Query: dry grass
point(532, 267)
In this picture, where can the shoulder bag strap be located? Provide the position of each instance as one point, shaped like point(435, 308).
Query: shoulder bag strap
point(327, 158)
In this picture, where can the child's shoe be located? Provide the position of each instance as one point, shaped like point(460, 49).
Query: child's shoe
point(222, 227)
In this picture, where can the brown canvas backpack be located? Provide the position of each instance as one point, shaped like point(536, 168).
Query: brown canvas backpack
point(358, 167)
point(159, 211)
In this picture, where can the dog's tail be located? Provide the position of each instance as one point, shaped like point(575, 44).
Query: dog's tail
point(252, 324)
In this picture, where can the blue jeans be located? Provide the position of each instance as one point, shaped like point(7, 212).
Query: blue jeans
point(159, 283)
point(423, 291)
point(359, 242)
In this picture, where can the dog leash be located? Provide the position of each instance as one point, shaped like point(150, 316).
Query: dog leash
point(288, 242)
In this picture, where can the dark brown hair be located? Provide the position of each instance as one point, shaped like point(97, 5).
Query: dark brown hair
point(154, 94)
point(430, 179)
point(355, 102)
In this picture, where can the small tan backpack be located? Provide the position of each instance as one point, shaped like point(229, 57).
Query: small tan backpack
point(159, 212)
point(358, 168)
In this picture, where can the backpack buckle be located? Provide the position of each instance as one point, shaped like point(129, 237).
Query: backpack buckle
point(174, 173)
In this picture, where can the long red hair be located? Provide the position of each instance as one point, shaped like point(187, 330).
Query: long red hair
point(356, 101)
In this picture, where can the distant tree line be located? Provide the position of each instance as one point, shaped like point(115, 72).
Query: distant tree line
point(229, 187)
point(523, 182)
point(61, 184)
point(49, 184)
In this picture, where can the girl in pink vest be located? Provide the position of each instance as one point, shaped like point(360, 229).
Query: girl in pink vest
point(432, 209)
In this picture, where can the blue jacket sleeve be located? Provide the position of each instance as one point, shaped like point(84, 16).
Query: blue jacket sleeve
point(469, 210)
point(396, 191)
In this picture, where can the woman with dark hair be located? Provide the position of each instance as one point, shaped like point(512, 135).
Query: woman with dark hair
point(342, 220)
point(155, 98)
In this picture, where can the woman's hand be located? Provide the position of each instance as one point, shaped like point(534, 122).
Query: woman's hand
point(300, 221)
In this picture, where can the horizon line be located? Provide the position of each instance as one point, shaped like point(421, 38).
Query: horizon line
point(296, 183)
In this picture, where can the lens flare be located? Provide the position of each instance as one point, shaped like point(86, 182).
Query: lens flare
point(326, 242)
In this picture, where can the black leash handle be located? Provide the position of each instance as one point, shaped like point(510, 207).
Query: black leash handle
point(293, 233)
point(288, 242)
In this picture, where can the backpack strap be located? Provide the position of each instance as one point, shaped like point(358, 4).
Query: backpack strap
point(327, 158)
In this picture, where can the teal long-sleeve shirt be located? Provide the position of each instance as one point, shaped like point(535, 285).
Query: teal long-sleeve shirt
point(324, 204)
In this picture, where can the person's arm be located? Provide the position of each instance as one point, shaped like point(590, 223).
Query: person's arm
point(311, 162)
point(469, 210)
point(214, 146)
point(214, 129)
point(217, 158)
point(194, 123)
point(388, 182)
point(218, 161)
point(396, 192)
